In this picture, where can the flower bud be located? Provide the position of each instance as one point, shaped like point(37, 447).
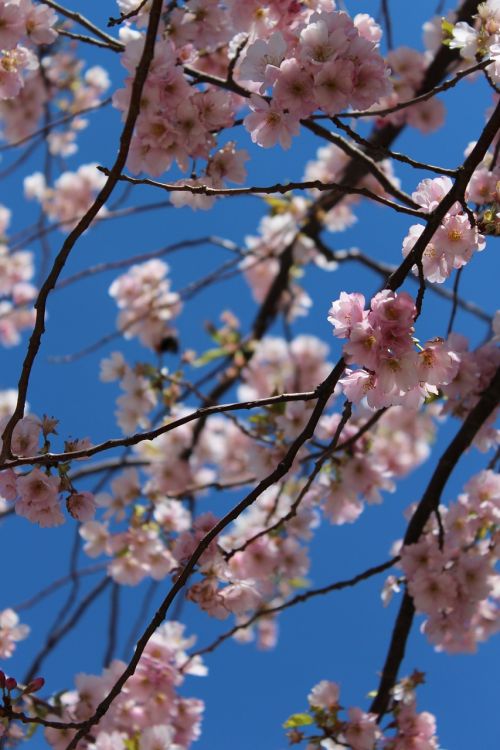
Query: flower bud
point(34, 685)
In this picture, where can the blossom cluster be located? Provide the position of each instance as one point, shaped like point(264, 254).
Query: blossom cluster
point(177, 120)
point(396, 445)
point(11, 631)
point(328, 167)
point(381, 341)
point(481, 40)
point(293, 61)
point(147, 305)
point(149, 712)
point(27, 22)
point(36, 493)
point(475, 372)
point(16, 291)
point(36, 496)
point(71, 196)
point(281, 228)
point(328, 62)
point(60, 77)
point(451, 572)
point(360, 729)
point(236, 575)
point(408, 67)
point(455, 240)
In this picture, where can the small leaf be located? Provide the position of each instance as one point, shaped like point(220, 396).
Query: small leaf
point(447, 27)
point(298, 720)
point(209, 356)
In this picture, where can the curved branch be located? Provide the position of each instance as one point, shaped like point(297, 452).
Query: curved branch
point(426, 507)
point(84, 223)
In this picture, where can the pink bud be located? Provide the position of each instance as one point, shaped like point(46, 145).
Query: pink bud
point(10, 683)
point(2, 679)
point(34, 685)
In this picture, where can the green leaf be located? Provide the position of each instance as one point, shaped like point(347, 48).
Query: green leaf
point(209, 356)
point(299, 582)
point(447, 27)
point(131, 743)
point(298, 720)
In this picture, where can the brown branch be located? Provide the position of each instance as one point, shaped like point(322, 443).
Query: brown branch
point(90, 570)
point(57, 635)
point(9, 713)
point(21, 239)
point(324, 391)
point(426, 507)
point(386, 152)
point(360, 156)
point(83, 21)
point(455, 301)
point(84, 223)
point(346, 415)
point(456, 193)
point(422, 97)
point(52, 459)
point(127, 16)
point(272, 189)
point(386, 269)
point(114, 607)
point(113, 265)
point(298, 599)
point(350, 442)
point(386, 14)
point(87, 40)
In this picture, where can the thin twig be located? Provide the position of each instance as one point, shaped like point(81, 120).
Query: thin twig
point(114, 610)
point(127, 16)
point(52, 459)
point(84, 223)
point(426, 507)
point(87, 39)
point(421, 97)
point(279, 188)
point(83, 21)
point(55, 123)
point(298, 599)
point(455, 301)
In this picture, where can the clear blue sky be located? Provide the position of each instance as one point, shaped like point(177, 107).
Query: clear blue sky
point(344, 636)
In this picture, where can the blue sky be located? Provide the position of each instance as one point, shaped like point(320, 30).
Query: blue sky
point(344, 636)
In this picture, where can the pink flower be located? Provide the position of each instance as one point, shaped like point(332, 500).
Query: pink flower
point(39, 22)
point(345, 312)
point(364, 345)
point(362, 731)
point(8, 484)
point(293, 89)
point(263, 59)
point(26, 435)
point(333, 85)
point(11, 631)
point(394, 312)
point(81, 506)
point(326, 37)
point(324, 695)
point(12, 25)
point(240, 597)
point(437, 363)
point(268, 124)
point(357, 385)
point(430, 192)
point(38, 487)
point(368, 28)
